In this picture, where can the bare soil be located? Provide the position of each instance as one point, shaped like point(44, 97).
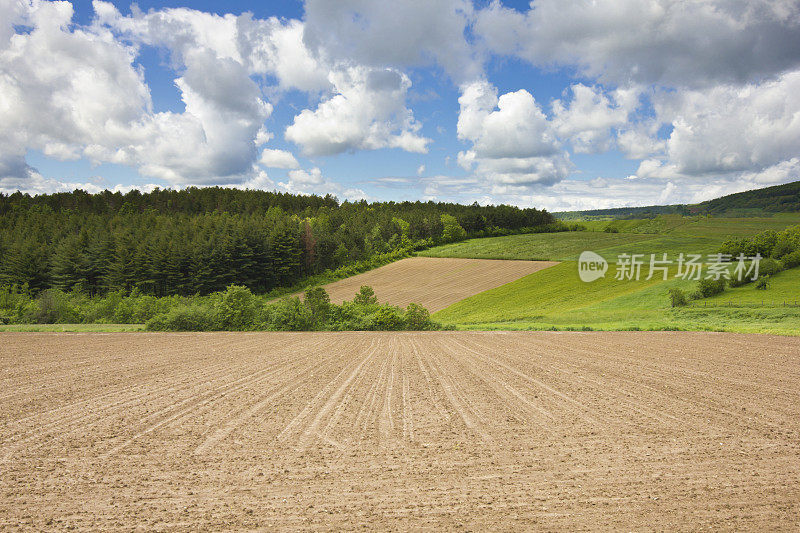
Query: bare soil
point(434, 282)
point(396, 431)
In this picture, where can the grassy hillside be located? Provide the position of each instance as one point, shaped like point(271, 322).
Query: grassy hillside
point(557, 298)
point(666, 234)
point(535, 247)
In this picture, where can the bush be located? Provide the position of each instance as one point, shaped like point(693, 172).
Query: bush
point(710, 287)
point(236, 308)
point(387, 318)
point(54, 307)
point(139, 309)
point(417, 317)
point(769, 267)
point(189, 318)
point(677, 297)
point(763, 283)
point(736, 282)
point(288, 314)
point(792, 259)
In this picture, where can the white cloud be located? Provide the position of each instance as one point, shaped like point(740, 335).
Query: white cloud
point(513, 143)
point(75, 92)
point(366, 112)
point(312, 182)
point(263, 46)
point(259, 180)
point(64, 91)
point(400, 34)
point(32, 182)
point(733, 128)
point(640, 141)
point(278, 159)
point(589, 118)
point(420, 170)
point(668, 42)
point(276, 47)
point(303, 178)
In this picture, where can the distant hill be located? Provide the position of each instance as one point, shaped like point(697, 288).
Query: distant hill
point(777, 199)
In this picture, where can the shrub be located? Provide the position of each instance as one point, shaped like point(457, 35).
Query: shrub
point(288, 314)
point(189, 318)
point(387, 318)
point(769, 267)
point(792, 259)
point(139, 309)
point(763, 283)
point(417, 317)
point(736, 282)
point(54, 307)
point(236, 308)
point(677, 297)
point(452, 231)
point(710, 287)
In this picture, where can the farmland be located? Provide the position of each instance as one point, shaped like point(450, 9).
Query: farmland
point(556, 298)
point(434, 283)
point(545, 430)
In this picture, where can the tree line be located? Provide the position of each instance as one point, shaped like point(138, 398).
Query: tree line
point(202, 240)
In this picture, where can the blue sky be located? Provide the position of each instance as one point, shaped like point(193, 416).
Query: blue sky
point(558, 104)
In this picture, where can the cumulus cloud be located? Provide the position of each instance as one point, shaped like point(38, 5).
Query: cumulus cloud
point(312, 181)
point(64, 92)
point(367, 111)
point(75, 92)
point(278, 159)
point(263, 46)
point(667, 42)
point(589, 119)
point(403, 34)
point(640, 140)
point(703, 93)
point(276, 47)
point(733, 128)
point(513, 142)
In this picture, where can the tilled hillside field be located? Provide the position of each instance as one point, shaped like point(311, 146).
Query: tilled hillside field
point(441, 430)
point(434, 282)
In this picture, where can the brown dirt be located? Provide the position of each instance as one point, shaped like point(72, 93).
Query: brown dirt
point(443, 430)
point(434, 282)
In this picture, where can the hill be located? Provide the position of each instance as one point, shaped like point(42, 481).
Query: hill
point(776, 199)
point(556, 298)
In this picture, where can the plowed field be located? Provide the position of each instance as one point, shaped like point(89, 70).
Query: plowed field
point(442, 430)
point(434, 282)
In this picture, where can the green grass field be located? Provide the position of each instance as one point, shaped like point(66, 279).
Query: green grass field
point(73, 328)
point(536, 247)
point(689, 235)
point(556, 298)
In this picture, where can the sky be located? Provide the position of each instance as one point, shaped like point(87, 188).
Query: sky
point(556, 104)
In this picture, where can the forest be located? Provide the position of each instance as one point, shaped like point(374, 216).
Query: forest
point(197, 241)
